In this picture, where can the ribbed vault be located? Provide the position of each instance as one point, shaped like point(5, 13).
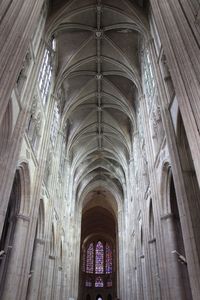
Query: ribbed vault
point(98, 79)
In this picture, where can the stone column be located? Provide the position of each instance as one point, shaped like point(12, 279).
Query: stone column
point(144, 278)
point(173, 266)
point(50, 284)
point(181, 193)
point(155, 277)
point(59, 284)
point(36, 270)
point(17, 272)
point(122, 253)
point(18, 22)
point(183, 58)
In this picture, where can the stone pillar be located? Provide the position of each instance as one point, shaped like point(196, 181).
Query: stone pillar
point(50, 284)
point(36, 270)
point(155, 276)
point(122, 253)
point(18, 22)
point(59, 284)
point(17, 272)
point(181, 192)
point(174, 267)
point(144, 278)
point(183, 58)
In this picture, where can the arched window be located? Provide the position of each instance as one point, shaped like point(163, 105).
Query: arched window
point(148, 77)
point(148, 74)
point(99, 282)
point(109, 283)
point(45, 73)
point(99, 259)
point(83, 260)
point(90, 259)
point(108, 259)
point(88, 282)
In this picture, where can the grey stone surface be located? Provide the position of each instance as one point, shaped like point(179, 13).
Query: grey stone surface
point(106, 147)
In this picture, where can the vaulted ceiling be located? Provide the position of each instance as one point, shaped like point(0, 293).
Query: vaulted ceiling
point(98, 78)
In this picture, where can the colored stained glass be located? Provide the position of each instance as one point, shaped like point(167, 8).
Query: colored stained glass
point(99, 282)
point(90, 259)
point(108, 259)
point(99, 259)
point(109, 283)
point(88, 282)
point(83, 262)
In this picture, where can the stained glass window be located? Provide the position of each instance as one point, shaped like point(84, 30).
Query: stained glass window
point(99, 282)
point(90, 259)
point(83, 265)
point(149, 81)
point(99, 259)
point(88, 282)
point(109, 283)
point(108, 259)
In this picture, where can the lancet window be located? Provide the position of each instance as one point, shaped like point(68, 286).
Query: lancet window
point(97, 260)
point(45, 74)
point(149, 81)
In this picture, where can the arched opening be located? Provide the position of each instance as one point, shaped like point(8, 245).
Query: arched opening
point(88, 297)
point(109, 297)
point(190, 180)
point(7, 237)
point(37, 256)
point(176, 265)
point(98, 251)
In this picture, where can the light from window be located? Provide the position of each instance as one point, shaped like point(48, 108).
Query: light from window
point(83, 260)
point(90, 259)
point(88, 282)
point(109, 283)
point(45, 73)
point(99, 282)
point(99, 259)
point(149, 82)
point(108, 259)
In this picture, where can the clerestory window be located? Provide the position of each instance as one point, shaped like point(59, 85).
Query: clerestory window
point(149, 81)
point(45, 73)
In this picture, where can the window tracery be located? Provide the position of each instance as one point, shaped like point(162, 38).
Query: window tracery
point(55, 124)
point(90, 259)
point(99, 282)
point(108, 259)
point(148, 77)
point(97, 260)
point(45, 73)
